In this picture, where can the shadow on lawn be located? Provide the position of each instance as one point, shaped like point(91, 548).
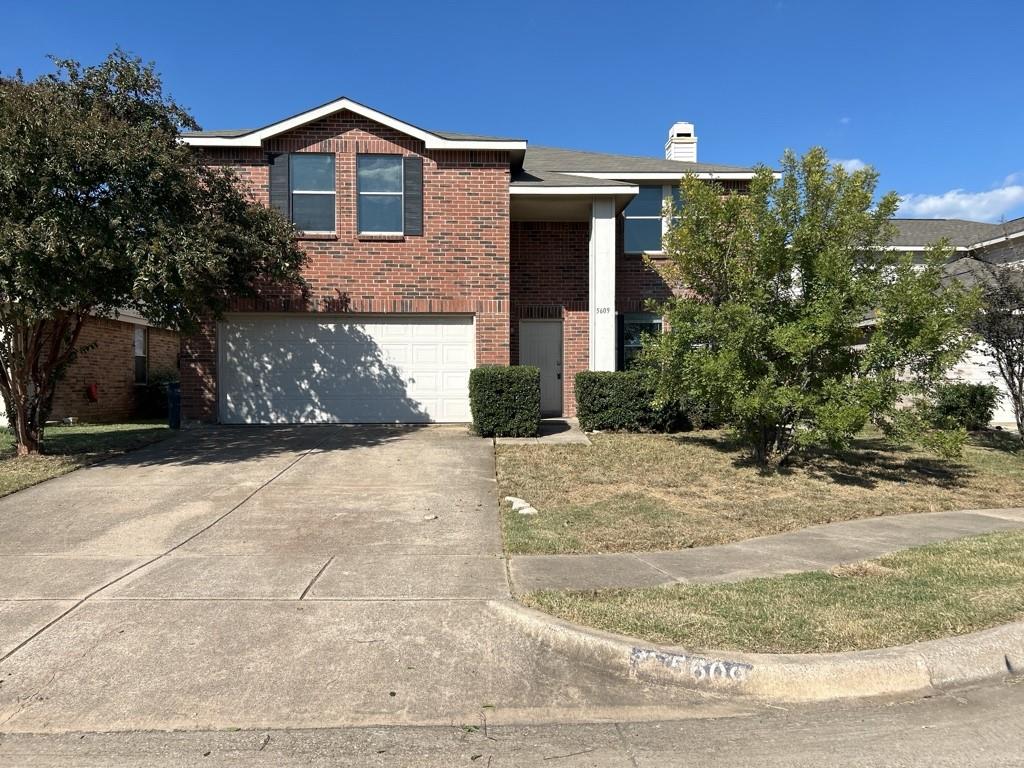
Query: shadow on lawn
point(871, 461)
point(998, 440)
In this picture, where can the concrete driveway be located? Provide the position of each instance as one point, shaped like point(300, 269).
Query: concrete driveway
point(281, 577)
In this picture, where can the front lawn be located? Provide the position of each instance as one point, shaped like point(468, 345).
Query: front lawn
point(925, 593)
point(636, 492)
point(68, 448)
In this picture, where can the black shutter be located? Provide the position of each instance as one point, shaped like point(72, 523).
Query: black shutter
point(413, 195)
point(620, 342)
point(280, 188)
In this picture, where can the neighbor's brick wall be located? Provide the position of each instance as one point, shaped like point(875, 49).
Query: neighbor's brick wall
point(459, 265)
point(111, 366)
point(549, 281)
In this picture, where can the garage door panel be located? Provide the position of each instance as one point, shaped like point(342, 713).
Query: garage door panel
point(276, 369)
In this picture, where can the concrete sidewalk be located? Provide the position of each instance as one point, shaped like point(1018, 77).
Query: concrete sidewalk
point(810, 549)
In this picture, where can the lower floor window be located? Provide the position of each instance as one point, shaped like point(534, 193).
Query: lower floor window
point(633, 327)
point(141, 345)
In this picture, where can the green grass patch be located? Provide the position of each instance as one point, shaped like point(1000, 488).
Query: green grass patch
point(918, 594)
point(67, 448)
point(642, 492)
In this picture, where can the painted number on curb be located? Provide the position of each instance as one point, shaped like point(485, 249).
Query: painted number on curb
point(698, 667)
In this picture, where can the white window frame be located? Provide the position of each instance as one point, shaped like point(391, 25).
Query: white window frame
point(666, 197)
point(400, 194)
point(334, 193)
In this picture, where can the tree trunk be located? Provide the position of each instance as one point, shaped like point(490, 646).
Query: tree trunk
point(29, 437)
point(33, 356)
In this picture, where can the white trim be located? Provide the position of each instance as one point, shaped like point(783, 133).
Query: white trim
point(601, 288)
point(1000, 239)
point(920, 248)
point(663, 175)
point(431, 140)
point(589, 191)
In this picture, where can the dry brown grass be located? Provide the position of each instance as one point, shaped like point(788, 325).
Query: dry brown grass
point(68, 448)
point(925, 593)
point(629, 492)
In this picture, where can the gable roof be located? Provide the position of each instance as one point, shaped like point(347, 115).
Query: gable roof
point(256, 136)
point(962, 234)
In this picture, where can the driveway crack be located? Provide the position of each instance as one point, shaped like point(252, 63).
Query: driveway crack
point(315, 578)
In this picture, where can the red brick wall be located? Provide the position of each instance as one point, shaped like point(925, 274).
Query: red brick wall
point(111, 366)
point(459, 265)
point(549, 281)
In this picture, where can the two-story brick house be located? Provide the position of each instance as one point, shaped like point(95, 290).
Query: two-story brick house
point(430, 253)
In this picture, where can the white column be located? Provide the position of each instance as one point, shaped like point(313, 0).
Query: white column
point(602, 284)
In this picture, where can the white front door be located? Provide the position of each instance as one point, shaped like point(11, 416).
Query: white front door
point(291, 369)
point(540, 344)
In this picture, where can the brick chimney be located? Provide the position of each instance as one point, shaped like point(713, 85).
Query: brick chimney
point(682, 143)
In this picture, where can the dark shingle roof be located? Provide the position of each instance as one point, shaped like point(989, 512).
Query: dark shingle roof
point(541, 178)
point(926, 232)
point(959, 232)
point(223, 134)
point(456, 136)
point(576, 161)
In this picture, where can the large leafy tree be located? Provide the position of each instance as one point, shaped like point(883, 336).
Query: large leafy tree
point(794, 321)
point(103, 209)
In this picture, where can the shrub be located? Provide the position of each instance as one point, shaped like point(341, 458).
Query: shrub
point(623, 400)
point(151, 397)
point(966, 405)
point(505, 400)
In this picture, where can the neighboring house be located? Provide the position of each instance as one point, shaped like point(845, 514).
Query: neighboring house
point(978, 247)
point(101, 384)
point(430, 253)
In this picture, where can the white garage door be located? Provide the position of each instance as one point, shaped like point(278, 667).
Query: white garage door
point(277, 369)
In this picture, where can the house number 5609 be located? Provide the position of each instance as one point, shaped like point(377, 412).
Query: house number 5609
point(603, 310)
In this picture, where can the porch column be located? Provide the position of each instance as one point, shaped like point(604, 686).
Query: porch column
point(602, 284)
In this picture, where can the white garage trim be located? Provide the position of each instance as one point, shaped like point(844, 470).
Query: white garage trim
point(281, 368)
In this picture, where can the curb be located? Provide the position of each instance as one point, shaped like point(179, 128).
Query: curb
point(991, 654)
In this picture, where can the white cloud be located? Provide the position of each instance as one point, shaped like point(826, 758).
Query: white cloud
point(991, 205)
point(851, 165)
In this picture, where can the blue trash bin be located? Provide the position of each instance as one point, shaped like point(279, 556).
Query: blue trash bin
point(174, 405)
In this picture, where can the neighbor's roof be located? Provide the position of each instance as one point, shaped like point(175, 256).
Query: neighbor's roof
point(961, 233)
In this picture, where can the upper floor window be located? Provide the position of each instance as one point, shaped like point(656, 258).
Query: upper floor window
point(642, 221)
point(643, 218)
point(381, 197)
point(311, 186)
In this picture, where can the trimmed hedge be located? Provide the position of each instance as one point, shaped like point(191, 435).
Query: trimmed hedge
point(505, 400)
point(966, 405)
point(622, 401)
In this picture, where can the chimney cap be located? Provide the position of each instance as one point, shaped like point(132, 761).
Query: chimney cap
point(681, 130)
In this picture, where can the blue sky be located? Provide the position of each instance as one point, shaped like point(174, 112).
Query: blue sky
point(927, 92)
